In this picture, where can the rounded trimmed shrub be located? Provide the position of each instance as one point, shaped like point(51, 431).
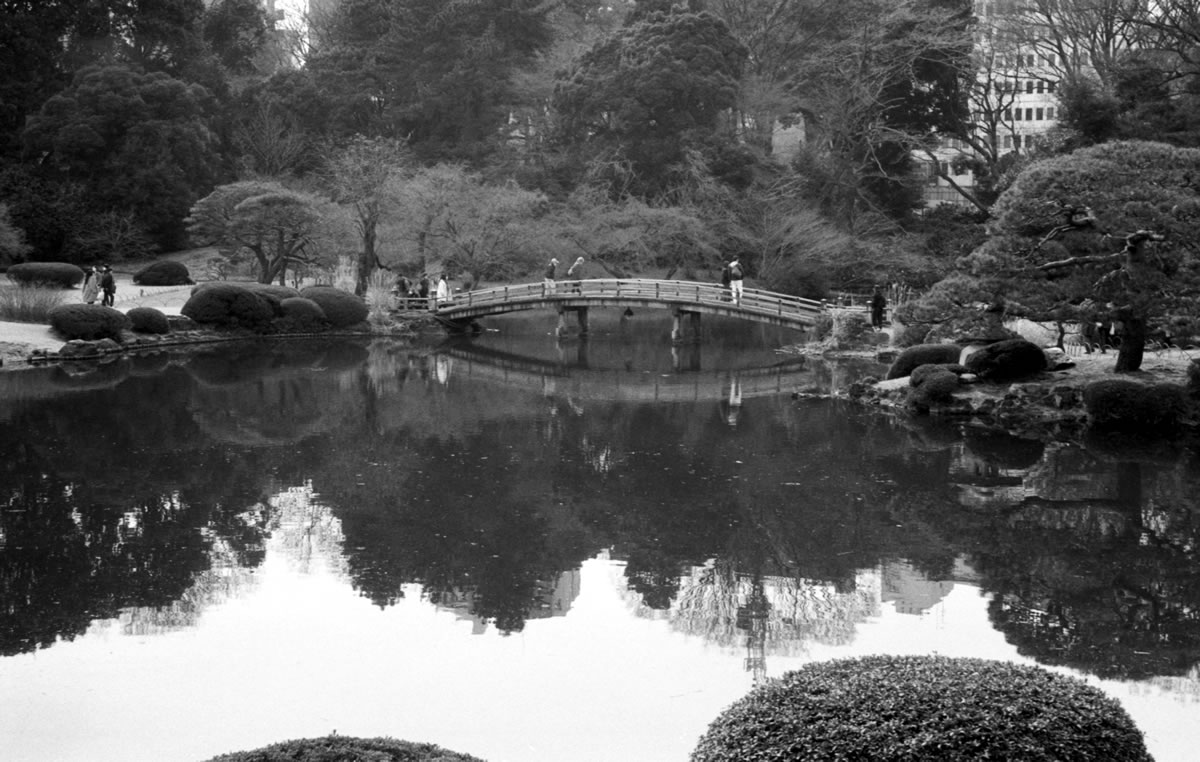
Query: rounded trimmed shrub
point(229, 305)
point(88, 322)
point(938, 385)
point(347, 749)
point(884, 708)
point(163, 273)
point(911, 335)
point(1007, 360)
point(300, 314)
point(1122, 403)
point(60, 274)
point(851, 327)
point(923, 354)
point(148, 320)
point(274, 294)
point(922, 372)
point(342, 309)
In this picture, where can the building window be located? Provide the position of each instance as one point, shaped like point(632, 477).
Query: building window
point(1008, 115)
point(1016, 115)
point(1050, 86)
point(1041, 86)
point(1040, 115)
point(1029, 86)
point(1016, 141)
point(1008, 141)
point(1029, 115)
point(1050, 112)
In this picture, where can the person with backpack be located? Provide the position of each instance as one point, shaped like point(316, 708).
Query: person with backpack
point(735, 280)
point(108, 286)
point(548, 280)
point(725, 283)
point(575, 273)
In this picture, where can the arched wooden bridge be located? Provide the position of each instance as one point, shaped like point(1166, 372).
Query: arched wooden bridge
point(681, 297)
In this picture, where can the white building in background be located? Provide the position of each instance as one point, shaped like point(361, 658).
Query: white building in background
point(1023, 84)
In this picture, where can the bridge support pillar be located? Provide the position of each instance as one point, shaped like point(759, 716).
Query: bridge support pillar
point(677, 325)
point(581, 317)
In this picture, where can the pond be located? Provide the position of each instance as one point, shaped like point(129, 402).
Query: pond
point(528, 549)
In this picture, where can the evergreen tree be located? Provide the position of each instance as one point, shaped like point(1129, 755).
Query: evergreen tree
point(1106, 232)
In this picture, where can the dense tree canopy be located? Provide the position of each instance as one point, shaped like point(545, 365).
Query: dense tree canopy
point(648, 92)
point(131, 141)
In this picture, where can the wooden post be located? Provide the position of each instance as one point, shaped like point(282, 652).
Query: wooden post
point(695, 327)
point(581, 315)
point(676, 326)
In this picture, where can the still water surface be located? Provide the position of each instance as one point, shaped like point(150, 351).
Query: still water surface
point(529, 550)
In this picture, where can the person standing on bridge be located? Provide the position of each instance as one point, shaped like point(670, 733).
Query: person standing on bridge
point(443, 290)
point(551, 274)
point(735, 280)
point(878, 307)
point(575, 273)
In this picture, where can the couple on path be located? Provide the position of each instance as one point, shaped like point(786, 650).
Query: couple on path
point(732, 278)
point(574, 272)
point(97, 281)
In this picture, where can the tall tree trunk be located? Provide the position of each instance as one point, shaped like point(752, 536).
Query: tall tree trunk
point(366, 258)
point(1133, 345)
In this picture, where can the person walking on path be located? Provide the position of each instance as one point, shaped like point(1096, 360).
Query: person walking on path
point(725, 283)
point(575, 273)
point(548, 284)
point(735, 280)
point(91, 285)
point(108, 286)
point(878, 308)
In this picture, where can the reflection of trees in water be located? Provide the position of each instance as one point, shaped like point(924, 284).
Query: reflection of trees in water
point(491, 494)
point(225, 579)
point(712, 599)
point(1093, 564)
point(305, 530)
point(113, 502)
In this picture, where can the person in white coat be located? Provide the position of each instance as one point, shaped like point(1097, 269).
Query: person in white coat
point(442, 294)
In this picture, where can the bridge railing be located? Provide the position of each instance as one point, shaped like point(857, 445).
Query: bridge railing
point(638, 289)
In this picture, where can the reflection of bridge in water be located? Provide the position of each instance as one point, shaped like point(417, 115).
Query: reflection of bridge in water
point(688, 384)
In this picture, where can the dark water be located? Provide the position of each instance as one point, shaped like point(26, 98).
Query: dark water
point(536, 550)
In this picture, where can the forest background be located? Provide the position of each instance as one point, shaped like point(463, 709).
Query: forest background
point(482, 137)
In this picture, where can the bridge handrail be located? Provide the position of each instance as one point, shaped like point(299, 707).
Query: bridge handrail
point(684, 292)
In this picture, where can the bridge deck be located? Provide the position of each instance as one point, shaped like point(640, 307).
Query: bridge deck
point(757, 305)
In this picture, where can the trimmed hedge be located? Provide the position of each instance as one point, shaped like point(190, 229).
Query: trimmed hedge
point(922, 372)
point(851, 327)
point(342, 309)
point(164, 273)
point(1122, 403)
point(347, 749)
point(1007, 360)
point(61, 274)
point(229, 305)
point(302, 315)
point(890, 708)
point(923, 354)
point(273, 294)
point(88, 322)
point(148, 320)
point(937, 385)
